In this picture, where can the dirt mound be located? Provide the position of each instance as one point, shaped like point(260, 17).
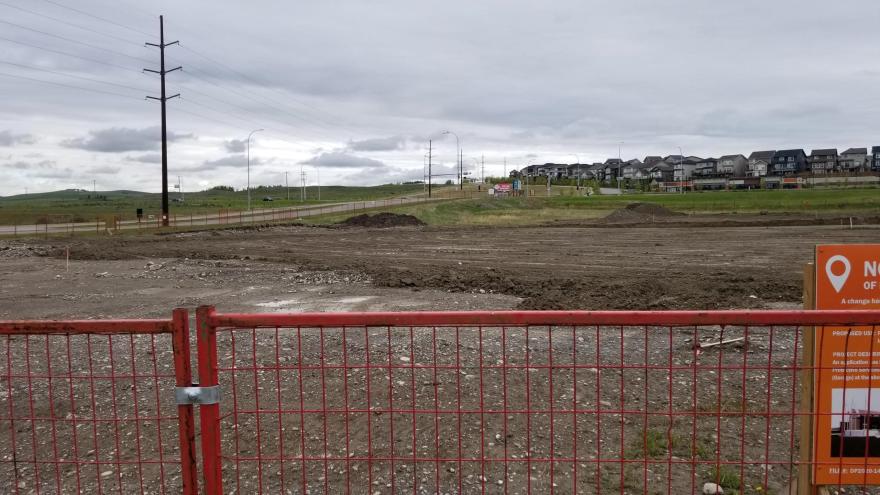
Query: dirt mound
point(641, 212)
point(382, 220)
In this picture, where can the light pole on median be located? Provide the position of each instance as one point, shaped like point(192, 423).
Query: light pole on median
point(457, 158)
point(619, 167)
point(249, 166)
point(681, 166)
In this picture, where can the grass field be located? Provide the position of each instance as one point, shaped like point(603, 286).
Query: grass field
point(539, 210)
point(84, 206)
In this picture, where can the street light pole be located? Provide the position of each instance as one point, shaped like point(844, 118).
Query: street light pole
point(681, 166)
point(249, 166)
point(619, 167)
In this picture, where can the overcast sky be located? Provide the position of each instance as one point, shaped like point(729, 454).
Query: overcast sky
point(352, 90)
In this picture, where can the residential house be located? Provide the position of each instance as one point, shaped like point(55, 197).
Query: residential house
point(875, 161)
point(683, 168)
point(759, 163)
point(632, 169)
point(581, 170)
point(661, 172)
point(788, 162)
point(706, 167)
point(613, 169)
point(653, 160)
point(854, 160)
point(822, 162)
point(598, 171)
point(732, 166)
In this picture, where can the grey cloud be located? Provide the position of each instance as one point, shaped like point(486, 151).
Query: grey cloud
point(103, 170)
point(378, 144)
point(120, 139)
point(235, 145)
point(147, 158)
point(339, 159)
point(24, 165)
point(7, 138)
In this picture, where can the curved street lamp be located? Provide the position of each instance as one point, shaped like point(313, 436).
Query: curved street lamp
point(249, 165)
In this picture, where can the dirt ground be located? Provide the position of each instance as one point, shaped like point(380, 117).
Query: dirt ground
point(316, 268)
point(416, 374)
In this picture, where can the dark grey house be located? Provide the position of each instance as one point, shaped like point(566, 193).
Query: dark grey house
point(706, 167)
point(788, 162)
point(875, 158)
point(822, 162)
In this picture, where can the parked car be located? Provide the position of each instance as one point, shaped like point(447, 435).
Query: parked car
point(268, 198)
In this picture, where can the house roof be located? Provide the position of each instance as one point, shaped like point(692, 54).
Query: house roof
point(673, 158)
point(825, 152)
point(613, 161)
point(762, 155)
point(653, 159)
point(662, 166)
point(731, 157)
point(856, 151)
point(787, 153)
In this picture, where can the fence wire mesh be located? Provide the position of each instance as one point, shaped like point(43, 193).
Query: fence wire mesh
point(509, 409)
point(89, 413)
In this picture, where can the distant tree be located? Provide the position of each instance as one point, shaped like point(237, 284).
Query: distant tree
point(448, 182)
point(223, 188)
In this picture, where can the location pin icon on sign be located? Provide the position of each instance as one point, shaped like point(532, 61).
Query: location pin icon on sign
point(837, 281)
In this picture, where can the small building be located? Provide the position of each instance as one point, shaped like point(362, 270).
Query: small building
point(759, 163)
point(875, 158)
point(789, 162)
point(854, 160)
point(822, 162)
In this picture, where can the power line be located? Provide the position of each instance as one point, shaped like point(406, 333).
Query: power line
point(39, 14)
point(262, 85)
point(109, 64)
point(206, 79)
point(70, 86)
point(144, 33)
point(141, 90)
point(69, 40)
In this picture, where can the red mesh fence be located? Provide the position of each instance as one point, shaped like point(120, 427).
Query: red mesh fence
point(89, 407)
point(507, 402)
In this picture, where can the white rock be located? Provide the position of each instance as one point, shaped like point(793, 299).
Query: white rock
point(712, 489)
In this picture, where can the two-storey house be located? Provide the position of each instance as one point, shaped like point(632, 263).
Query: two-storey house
point(731, 166)
point(853, 160)
point(759, 163)
point(788, 162)
point(822, 162)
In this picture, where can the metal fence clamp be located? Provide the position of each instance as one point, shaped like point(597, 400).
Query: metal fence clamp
point(196, 395)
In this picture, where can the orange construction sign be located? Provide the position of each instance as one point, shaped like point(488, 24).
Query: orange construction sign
point(846, 427)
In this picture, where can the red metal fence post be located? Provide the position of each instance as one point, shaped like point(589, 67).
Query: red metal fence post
point(186, 423)
point(209, 414)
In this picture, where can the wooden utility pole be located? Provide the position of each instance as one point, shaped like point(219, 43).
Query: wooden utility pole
point(162, 99)
point(429, 168)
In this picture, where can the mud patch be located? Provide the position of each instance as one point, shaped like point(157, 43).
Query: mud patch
point(382, 220)
point(640, 213)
